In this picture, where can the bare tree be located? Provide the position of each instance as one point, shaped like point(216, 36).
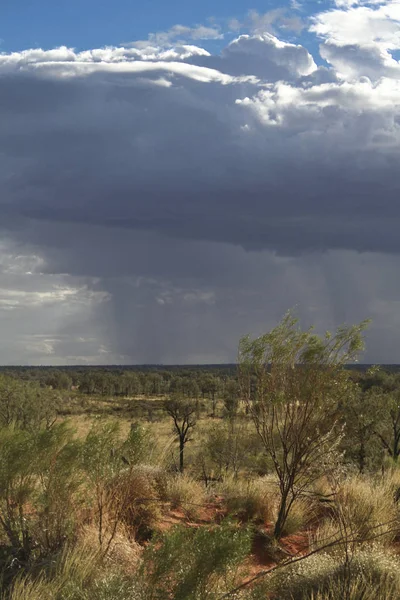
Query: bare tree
point(183, 414)
point(292, 382)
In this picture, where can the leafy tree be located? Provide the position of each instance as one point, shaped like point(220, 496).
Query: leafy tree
point(224, 450)
point(210, 386)
point(59, 380)
point(361, 413)
point(292, 382)
point(388, 426)
point(231, 398)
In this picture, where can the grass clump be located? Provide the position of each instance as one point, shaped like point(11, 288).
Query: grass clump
point(186, 494)
point(367, 509)
point(253, 500)
point(302, 512)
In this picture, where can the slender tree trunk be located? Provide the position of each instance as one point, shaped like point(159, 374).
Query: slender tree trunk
point(214, 405)
point(361, 457)
point(396, 441)
point(282, 515)
point(181, 449)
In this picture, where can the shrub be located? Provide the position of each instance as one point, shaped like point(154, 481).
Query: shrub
point(139, 445)
point(38, 479)
point(324, 576)
point(134, 501)
point(195, 563)
point(26, 404)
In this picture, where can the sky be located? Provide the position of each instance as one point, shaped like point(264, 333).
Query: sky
point(177, 175)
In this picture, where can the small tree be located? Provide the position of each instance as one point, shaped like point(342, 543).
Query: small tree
point(183, 414)
point(362, 414)
point(388, 427)
point(292, 382)
point(231, 398)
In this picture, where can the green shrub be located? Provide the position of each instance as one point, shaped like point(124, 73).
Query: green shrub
point(39, 478)
point(195, 563)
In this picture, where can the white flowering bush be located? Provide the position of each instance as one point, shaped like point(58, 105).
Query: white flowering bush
point(328, 577)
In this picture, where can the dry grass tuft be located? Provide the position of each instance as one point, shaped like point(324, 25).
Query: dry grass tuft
point(186, 494)
point(367, 509)
point(252, 500)
point(302, 513)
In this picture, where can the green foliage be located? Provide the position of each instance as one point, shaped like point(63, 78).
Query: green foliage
point(362, 414)
point(37, 469)
point(293, 383)
point(27, 405)
point(195, 563)
point(226, 449)
point(139, 445)
point(60, 493)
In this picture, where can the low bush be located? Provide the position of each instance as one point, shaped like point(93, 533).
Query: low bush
point(195, 563)
point(135, 501)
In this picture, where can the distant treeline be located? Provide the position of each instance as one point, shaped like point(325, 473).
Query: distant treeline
point(194, 381)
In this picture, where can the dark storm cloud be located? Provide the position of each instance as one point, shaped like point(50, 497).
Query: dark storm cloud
point(142, 179)
point(186, 160)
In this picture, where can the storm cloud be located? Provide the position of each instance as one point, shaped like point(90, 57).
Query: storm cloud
point(157, 202)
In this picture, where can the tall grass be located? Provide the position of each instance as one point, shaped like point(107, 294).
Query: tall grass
point(71, 572)
point(185, 493)
point(251, 500)
point(367, 509)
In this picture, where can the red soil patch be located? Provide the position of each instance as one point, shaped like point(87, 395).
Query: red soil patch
point(296, 544)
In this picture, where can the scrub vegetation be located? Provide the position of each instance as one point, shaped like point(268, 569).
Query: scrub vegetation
point(274, 478)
